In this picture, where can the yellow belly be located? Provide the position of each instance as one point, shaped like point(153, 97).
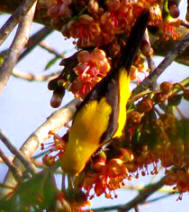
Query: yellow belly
point(84, 138)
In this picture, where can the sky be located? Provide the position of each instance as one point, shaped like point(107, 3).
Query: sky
point(25, 105)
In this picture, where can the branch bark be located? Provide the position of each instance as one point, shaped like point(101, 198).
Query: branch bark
point(18, 154)
point(17, 16)
point(18, 44)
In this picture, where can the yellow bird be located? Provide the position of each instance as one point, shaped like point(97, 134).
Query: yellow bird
point(102, 114)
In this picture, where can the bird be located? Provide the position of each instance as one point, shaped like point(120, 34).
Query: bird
point(102, 114)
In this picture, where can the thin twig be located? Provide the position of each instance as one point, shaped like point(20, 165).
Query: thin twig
point(153, 76)
point(17, 45)
point(184, 83)
point(18, 154)
point(44, 46)
point(136, 208)
point(35, 40)
point(34, 77)
point(9, 157)
point(140, 187)
point(55, 122)
point(150, 61)
point(140, 95)
point(11, 167)
point(159, 198)
point(139, 199)
point(17, 16)
point(143, 195)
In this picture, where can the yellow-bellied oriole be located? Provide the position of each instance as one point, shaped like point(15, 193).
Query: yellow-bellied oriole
point(102, 114)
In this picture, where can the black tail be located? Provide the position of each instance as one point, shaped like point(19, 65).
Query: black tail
point(134, 41)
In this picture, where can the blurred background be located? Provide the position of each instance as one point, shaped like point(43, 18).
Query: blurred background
point(24, 106)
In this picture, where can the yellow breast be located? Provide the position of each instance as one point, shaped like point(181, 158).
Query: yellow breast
point(89, 124)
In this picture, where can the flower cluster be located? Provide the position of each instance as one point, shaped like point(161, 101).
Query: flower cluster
point(155, 137)
point(168, 30)
point(85, 70)
point(91, 68)
point(106, 25)
point(138, 67)
point(103, 26)
point(105, 176)
point(95, 23)
point(55, 149)
point(60, 10)
point(178, 176)
point(81, 73)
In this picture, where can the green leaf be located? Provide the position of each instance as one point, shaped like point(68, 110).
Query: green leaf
point(36, 193)
point(51, 63)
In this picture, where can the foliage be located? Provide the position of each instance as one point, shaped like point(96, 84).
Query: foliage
point(32, 194)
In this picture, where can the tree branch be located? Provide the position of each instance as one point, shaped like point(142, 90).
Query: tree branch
point(160, 198)
point(16, 17)
point(11, 167)
point(178, 49)
point(143, 195)
point(35, 40)
point(34, 77)
point(55, 122)
point(51, 50)
point(149, 58)
point(139, 199)
point(9, 157)
point(18, 154)
point(18, 44)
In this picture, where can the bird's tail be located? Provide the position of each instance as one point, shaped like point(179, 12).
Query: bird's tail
point(133, 43)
